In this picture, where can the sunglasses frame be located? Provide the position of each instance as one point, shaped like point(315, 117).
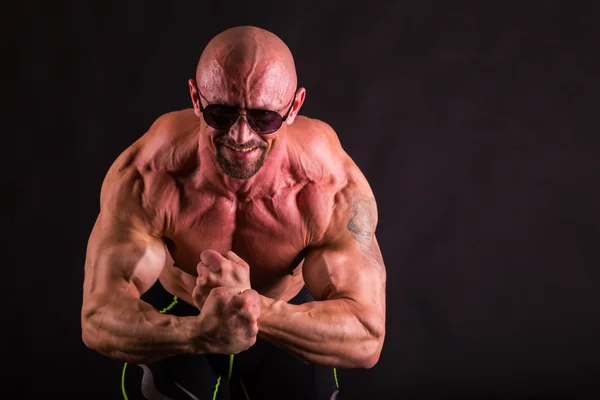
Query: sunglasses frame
point(239, 111)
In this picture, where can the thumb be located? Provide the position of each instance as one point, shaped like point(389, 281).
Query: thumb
point(211, 259)
point(231, 256)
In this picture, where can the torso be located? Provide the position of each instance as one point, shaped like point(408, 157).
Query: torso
point(269, 232)
point(260, 231)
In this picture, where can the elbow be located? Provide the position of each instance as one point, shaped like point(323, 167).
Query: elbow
point(371, 361)
point(372, 352)
point(93, 339)
point(90, 333)
point(375, 336)
point(88, 340)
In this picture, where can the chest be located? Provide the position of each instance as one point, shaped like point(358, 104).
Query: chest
point(268, 233)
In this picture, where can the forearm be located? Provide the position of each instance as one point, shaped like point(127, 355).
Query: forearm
point(126, 328)
point(338, 333)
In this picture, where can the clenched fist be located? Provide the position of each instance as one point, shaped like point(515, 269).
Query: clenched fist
point(215, 270)
point(228, 323)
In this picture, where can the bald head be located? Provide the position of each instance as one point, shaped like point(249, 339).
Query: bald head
point(249, 67)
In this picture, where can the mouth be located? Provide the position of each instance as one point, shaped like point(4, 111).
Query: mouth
point(242, 154)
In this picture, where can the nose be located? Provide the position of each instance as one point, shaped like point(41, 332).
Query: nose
point(241, 132)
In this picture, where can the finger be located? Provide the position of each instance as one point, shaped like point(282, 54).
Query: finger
point(212, 259)
point(225, 291)
point(246, 322)
point(202, 269)
point(205, 276)
point(206, 282)
point(250, 314)
point(246, 299)
point(251, 295)
point(255, 311)
point(249, 338)
point(252, 331)
point(231, 256)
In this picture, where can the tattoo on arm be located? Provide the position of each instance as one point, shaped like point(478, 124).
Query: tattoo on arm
point(362, 224)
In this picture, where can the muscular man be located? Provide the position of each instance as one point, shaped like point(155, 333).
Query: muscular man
point(235, 253)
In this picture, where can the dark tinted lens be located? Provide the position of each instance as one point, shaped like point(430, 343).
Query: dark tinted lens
point(263, 121)
point(220, 117)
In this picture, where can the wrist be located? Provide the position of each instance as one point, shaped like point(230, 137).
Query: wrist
point(192, 337)
point(270, 309)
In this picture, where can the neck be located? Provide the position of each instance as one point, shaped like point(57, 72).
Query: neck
point(265, 181)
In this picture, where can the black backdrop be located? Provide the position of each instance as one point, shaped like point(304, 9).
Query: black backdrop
point(474, 123)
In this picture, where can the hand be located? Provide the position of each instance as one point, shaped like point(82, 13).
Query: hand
point(228, 323)
point(215, 270)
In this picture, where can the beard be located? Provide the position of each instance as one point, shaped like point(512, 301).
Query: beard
point(239, 169)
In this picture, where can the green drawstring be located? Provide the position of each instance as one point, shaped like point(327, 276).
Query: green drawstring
point(230, 366)
point(123, 382)
point(229, 374)
point(216, 392)
point(163, 311)
point(245, 391)
point(335, 377)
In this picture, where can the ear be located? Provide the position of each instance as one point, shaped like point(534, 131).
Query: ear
point(298, 101)
point(195, 97)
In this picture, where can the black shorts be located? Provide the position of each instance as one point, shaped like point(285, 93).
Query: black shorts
point(262, 372)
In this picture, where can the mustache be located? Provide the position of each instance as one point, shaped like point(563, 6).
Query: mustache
point(227, 141)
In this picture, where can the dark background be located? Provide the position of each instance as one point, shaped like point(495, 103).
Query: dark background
point(475, 124)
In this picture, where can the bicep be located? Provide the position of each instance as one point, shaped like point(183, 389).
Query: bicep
point(124, 251)
point(354, 271)
point(120, 257)
point(348, 264)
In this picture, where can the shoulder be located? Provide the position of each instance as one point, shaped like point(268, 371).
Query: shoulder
point(129, 188)
point(160, 147)
point(314, 135)
point(168, 138)
point(316, 154)
point(174, 123)
point(169, 132)
point(337, 197)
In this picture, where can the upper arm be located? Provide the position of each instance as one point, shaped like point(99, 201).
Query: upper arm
point(347, 263)
point(125, 251)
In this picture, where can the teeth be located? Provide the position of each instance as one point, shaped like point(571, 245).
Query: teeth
point(243, 150)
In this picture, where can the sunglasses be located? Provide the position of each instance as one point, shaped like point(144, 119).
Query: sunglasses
point(223, 117)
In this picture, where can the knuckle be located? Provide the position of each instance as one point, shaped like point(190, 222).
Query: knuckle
point(247, 305)
point(242, 266)
point(246, 302)
point(253, 331)
point(240, 309)
point(252, 319)
point(244, 316)
point(251, 295)
point(219, 291)
point(239, 276)
point(209, 279)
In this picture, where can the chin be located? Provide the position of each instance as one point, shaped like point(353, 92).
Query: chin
point(242, 170)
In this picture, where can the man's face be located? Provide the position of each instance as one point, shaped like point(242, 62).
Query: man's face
point(244, 126)
point(243, 103)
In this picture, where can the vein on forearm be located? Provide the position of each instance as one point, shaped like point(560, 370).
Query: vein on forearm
point(326, 332)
